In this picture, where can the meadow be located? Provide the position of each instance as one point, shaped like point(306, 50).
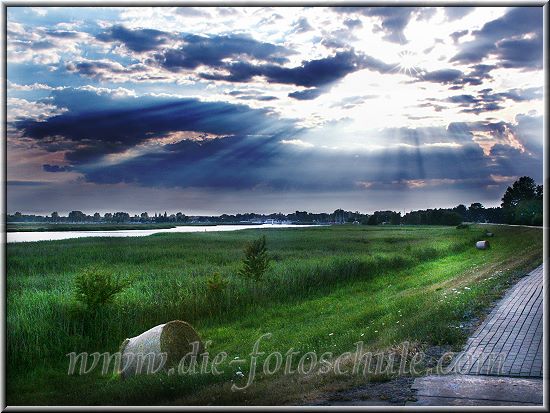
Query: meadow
point(326, 288)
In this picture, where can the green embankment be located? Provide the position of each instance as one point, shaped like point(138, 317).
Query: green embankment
point(328, 287)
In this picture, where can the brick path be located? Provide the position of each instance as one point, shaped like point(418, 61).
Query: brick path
point(509, 342)
point(501, 364)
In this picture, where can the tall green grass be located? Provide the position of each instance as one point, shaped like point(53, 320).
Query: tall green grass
point(356, 277)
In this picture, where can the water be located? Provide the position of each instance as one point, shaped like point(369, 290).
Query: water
point(57, 235)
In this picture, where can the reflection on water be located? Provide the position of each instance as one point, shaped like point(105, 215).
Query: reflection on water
point(57, 235)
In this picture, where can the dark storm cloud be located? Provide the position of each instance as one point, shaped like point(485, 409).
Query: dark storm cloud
point(456, 78)
point(252, 149)
point(110, 70)
point(235, 162)
point(313, 73)
point(56, 168)
point(190, 51)
point(483, 107)
point(261, 98)
point(497, 129)
point(524, 53)
point(486, 101)
point(511, 161)
point(308, 94)
point(245, 163)
point(457, 35)
point(25, 183)
point(529, 131)
point(121, 123)
point(231, 58)
point(137, 40)
point(210, 51)
point(442, 76)
point(505, 38)
point(64, 34)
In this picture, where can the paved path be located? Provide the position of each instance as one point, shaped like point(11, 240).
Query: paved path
point(509, 342)
point(507, 346)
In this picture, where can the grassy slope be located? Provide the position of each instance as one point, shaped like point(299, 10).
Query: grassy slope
point(353, 282)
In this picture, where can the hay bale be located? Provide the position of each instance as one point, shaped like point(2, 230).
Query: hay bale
point(158, 349)
point(482, 245)
point(489, 234)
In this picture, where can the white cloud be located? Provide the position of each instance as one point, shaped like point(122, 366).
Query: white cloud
point(297, 142)
point(19, 109)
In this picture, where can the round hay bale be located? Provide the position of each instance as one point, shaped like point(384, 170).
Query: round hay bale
point(159, 348)
point(482, 245)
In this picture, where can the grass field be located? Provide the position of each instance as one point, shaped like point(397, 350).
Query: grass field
point(327, 288)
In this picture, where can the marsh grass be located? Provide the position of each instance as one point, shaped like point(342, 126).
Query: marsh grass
point(380, 285)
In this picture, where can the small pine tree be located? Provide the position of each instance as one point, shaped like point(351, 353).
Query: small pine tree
point(256, 260)
point(95, 287)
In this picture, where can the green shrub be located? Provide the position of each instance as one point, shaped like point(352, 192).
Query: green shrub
point(256, 260)
point(95, 287)
point(216, 283)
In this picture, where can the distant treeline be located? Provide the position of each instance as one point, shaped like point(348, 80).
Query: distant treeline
point(521, 204)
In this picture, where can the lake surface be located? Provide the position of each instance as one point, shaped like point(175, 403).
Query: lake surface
point(57, 235)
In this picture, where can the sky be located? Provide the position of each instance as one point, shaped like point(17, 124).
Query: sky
point(211, 110)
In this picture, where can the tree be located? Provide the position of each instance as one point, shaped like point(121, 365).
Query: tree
point(528, 212)
point(395, 218)
point(476, 212)
point(523, 189)
point(450, 218)
point(55, 216)
point(522, 202)
point(77, 216)
point(256, 260)
point(121, 217)
point(461, 210)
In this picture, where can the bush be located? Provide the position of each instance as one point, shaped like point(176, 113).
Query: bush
point(256, 260)
point(216, 283)
point(95, 287)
